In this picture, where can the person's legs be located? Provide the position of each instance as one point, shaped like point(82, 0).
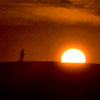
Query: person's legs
point(21, 58)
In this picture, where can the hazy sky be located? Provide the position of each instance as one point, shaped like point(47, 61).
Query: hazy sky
point(47, 28)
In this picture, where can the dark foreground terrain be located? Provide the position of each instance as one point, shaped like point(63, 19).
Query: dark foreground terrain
point(49, 80)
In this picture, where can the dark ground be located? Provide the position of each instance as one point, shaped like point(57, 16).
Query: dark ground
point(49, 80)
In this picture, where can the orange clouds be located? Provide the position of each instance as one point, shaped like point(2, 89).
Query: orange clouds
point(25, 13)
point(67, 15)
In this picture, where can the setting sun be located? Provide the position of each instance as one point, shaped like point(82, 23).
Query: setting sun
point(73, 56)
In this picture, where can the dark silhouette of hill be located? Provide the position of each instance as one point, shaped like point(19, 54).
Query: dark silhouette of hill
point(49, 80)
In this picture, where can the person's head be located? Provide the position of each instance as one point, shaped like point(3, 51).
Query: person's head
point(22, 49)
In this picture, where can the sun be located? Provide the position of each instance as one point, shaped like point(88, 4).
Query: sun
point(73, 56)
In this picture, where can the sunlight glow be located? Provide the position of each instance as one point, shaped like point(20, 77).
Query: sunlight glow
point(73, 56)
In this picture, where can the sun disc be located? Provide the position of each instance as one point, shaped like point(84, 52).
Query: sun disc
point(73, 56)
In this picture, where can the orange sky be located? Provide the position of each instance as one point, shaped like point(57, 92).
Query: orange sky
point(47, 29)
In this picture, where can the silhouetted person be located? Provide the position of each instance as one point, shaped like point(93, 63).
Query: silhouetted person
point(22, 55)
